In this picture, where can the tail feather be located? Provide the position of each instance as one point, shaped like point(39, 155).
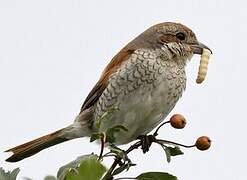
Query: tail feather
point(30, 148)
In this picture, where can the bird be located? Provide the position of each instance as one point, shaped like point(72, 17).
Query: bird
point(144, 80)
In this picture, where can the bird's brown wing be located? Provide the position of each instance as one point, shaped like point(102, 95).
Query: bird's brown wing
point(100, 86)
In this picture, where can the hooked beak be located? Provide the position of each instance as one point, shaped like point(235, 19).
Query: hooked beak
point(197, 48)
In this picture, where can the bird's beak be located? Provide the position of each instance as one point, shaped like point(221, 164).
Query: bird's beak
point(197, 48)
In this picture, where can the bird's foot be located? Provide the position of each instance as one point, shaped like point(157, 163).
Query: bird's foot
point(146, 142)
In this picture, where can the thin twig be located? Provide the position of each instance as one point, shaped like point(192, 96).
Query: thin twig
point(161, 141)
point(109, 155)
point(134, 146)
point(117, 160)
point(108, 175)
point(102, 140)
point(156, 131)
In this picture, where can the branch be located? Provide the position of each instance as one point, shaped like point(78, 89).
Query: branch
point(145, 143)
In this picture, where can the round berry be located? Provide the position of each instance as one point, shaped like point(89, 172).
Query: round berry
point(203, 143)
point(178, 121)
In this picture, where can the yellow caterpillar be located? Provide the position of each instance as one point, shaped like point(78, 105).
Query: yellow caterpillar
point(203, 66)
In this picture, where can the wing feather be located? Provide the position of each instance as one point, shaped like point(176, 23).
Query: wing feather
point(100, 86)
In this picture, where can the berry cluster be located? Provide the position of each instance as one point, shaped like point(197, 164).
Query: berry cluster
point(178, 121)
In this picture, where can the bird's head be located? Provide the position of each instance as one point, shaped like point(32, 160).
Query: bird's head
point(170, 33)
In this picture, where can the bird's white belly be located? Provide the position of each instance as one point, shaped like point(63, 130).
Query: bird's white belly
point(140, 111)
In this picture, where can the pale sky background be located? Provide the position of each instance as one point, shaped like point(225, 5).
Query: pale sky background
point(53, 51)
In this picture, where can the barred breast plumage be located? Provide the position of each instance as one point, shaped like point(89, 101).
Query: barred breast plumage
point(144, 89)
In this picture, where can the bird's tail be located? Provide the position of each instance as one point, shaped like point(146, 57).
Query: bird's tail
point(78, 129)
point(32, 147)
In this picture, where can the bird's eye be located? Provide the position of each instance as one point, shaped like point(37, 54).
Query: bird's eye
point(180, 36)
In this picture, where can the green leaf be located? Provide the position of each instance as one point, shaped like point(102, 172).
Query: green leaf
point(90, 169)
point(96, 136)
point(111, 131)
point(72, 165)
point(106, 115)
point(175, 151)
point(122, 168)
point(9, 175)
point(156, 176)
point(168, 154)
point(116, 150)
point(110, 111)
point(85, 167)
point(171, 151)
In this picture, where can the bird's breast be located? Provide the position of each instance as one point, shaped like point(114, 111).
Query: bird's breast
point(144, 90)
